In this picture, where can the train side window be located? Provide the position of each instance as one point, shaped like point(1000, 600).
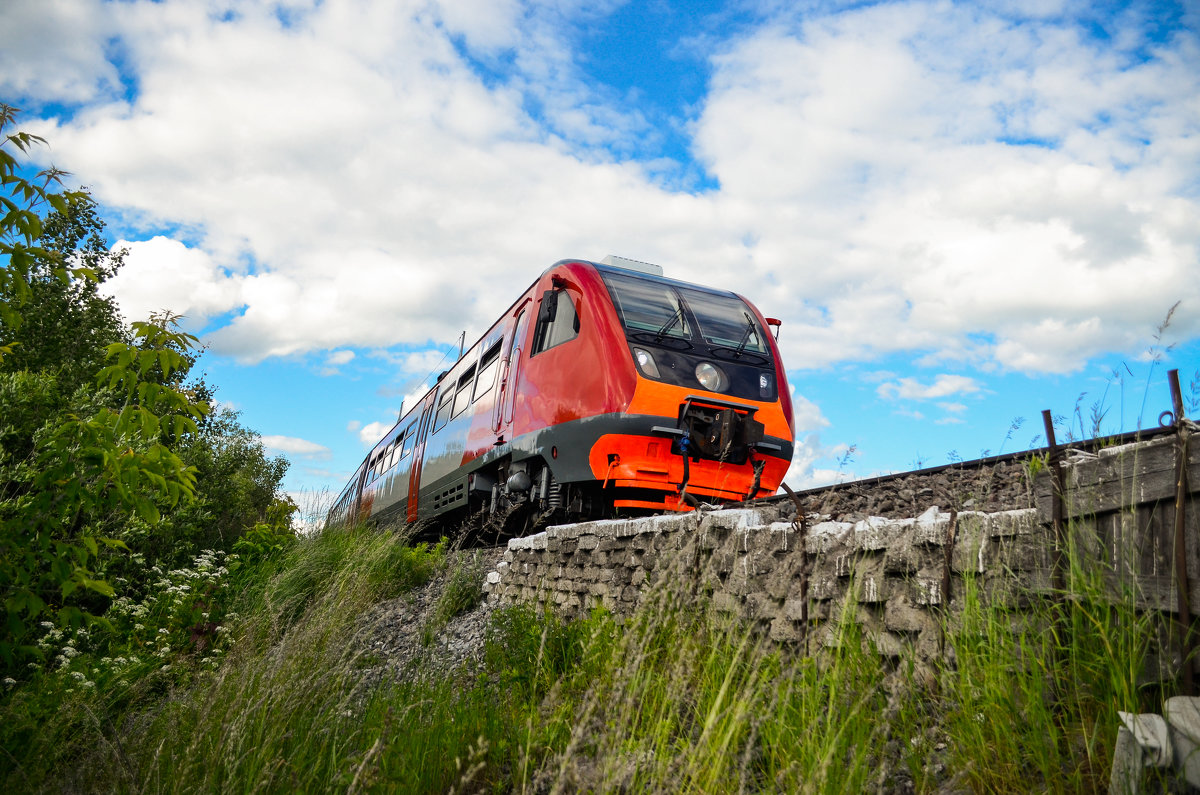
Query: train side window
point(462, 395)
point(409, 434)
point(487, 371)
point(443, 412)
point(558, 322)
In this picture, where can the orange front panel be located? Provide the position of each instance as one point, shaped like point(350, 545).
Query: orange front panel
point(646, 462)
point(663, 400)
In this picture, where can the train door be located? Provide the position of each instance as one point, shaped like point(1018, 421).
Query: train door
point(512, 371)
point(414, 476)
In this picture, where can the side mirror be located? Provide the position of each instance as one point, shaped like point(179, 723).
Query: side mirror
point(549, 308)
point(776, 323)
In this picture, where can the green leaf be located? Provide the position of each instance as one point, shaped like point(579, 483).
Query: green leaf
point(99, 586)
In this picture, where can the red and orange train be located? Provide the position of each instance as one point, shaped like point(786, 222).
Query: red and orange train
point(605, 387)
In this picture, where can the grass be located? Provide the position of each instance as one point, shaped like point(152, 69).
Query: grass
point(672, 699)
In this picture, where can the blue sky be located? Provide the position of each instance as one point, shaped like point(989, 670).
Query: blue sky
point(964, 213)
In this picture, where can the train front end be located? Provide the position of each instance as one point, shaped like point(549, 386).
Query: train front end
point(710, 417)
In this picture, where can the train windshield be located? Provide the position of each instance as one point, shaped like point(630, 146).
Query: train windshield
point(674, 315)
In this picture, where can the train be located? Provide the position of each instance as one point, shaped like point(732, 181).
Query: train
point(605, 389)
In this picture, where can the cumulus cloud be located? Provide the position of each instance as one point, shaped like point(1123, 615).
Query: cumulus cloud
point(55, 49)
point(298, 447)
point(943, 386)
point(984, 186)
point(372, 432)
point(164, 274)
point(939, 178)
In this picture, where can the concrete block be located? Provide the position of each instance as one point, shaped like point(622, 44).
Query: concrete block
point(610, 544)
point(733, 519)
point(536, 541)
point(783, 630)
point(725, 602)
point(588, 542)
point(1023, 552)
point(887, 643)
point(824, 587)
point(876, 533)
point(902, 558)
point(759, 606)
point(1011, 523)
point(900, 615)
point(824, 537)
point(793, 609)
point(926, 590)
point(722, 562)
point(872, 589)
point(778, 584)
point(973, 546)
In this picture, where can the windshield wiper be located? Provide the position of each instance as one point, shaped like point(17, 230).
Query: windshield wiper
point(675, 318)
point(745, 335)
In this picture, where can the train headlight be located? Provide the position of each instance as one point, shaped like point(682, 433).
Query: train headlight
point(766, 386)
point(711, 377)
point(646, 362)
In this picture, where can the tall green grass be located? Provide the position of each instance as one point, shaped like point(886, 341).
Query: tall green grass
point(674, 698)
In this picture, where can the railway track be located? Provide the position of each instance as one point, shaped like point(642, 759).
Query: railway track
point(994, 483)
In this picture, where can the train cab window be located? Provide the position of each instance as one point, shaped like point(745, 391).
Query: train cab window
point(446, 402)
point(487, 371)
point(462, 395)
point(558, 322)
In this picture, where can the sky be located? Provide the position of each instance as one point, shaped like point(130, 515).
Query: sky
point(963, 213)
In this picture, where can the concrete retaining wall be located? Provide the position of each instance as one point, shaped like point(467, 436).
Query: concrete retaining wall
point(793, 575)
point(763, 566)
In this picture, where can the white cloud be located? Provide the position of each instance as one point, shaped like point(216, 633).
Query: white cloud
point(334, 361)
point(164, 274)
point(807, 414)
point(354, 182)
point(943, 386)
point(879, 146)
point(372, 432)
point(56, 49)
point(300, 447)
point(804, 474)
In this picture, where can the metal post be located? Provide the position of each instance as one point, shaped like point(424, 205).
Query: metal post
point(1183, 615)
point(947, 568)
point(800, 525)
point(1056, 513)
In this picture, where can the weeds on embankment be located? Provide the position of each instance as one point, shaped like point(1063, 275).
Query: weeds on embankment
point(672, 699)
